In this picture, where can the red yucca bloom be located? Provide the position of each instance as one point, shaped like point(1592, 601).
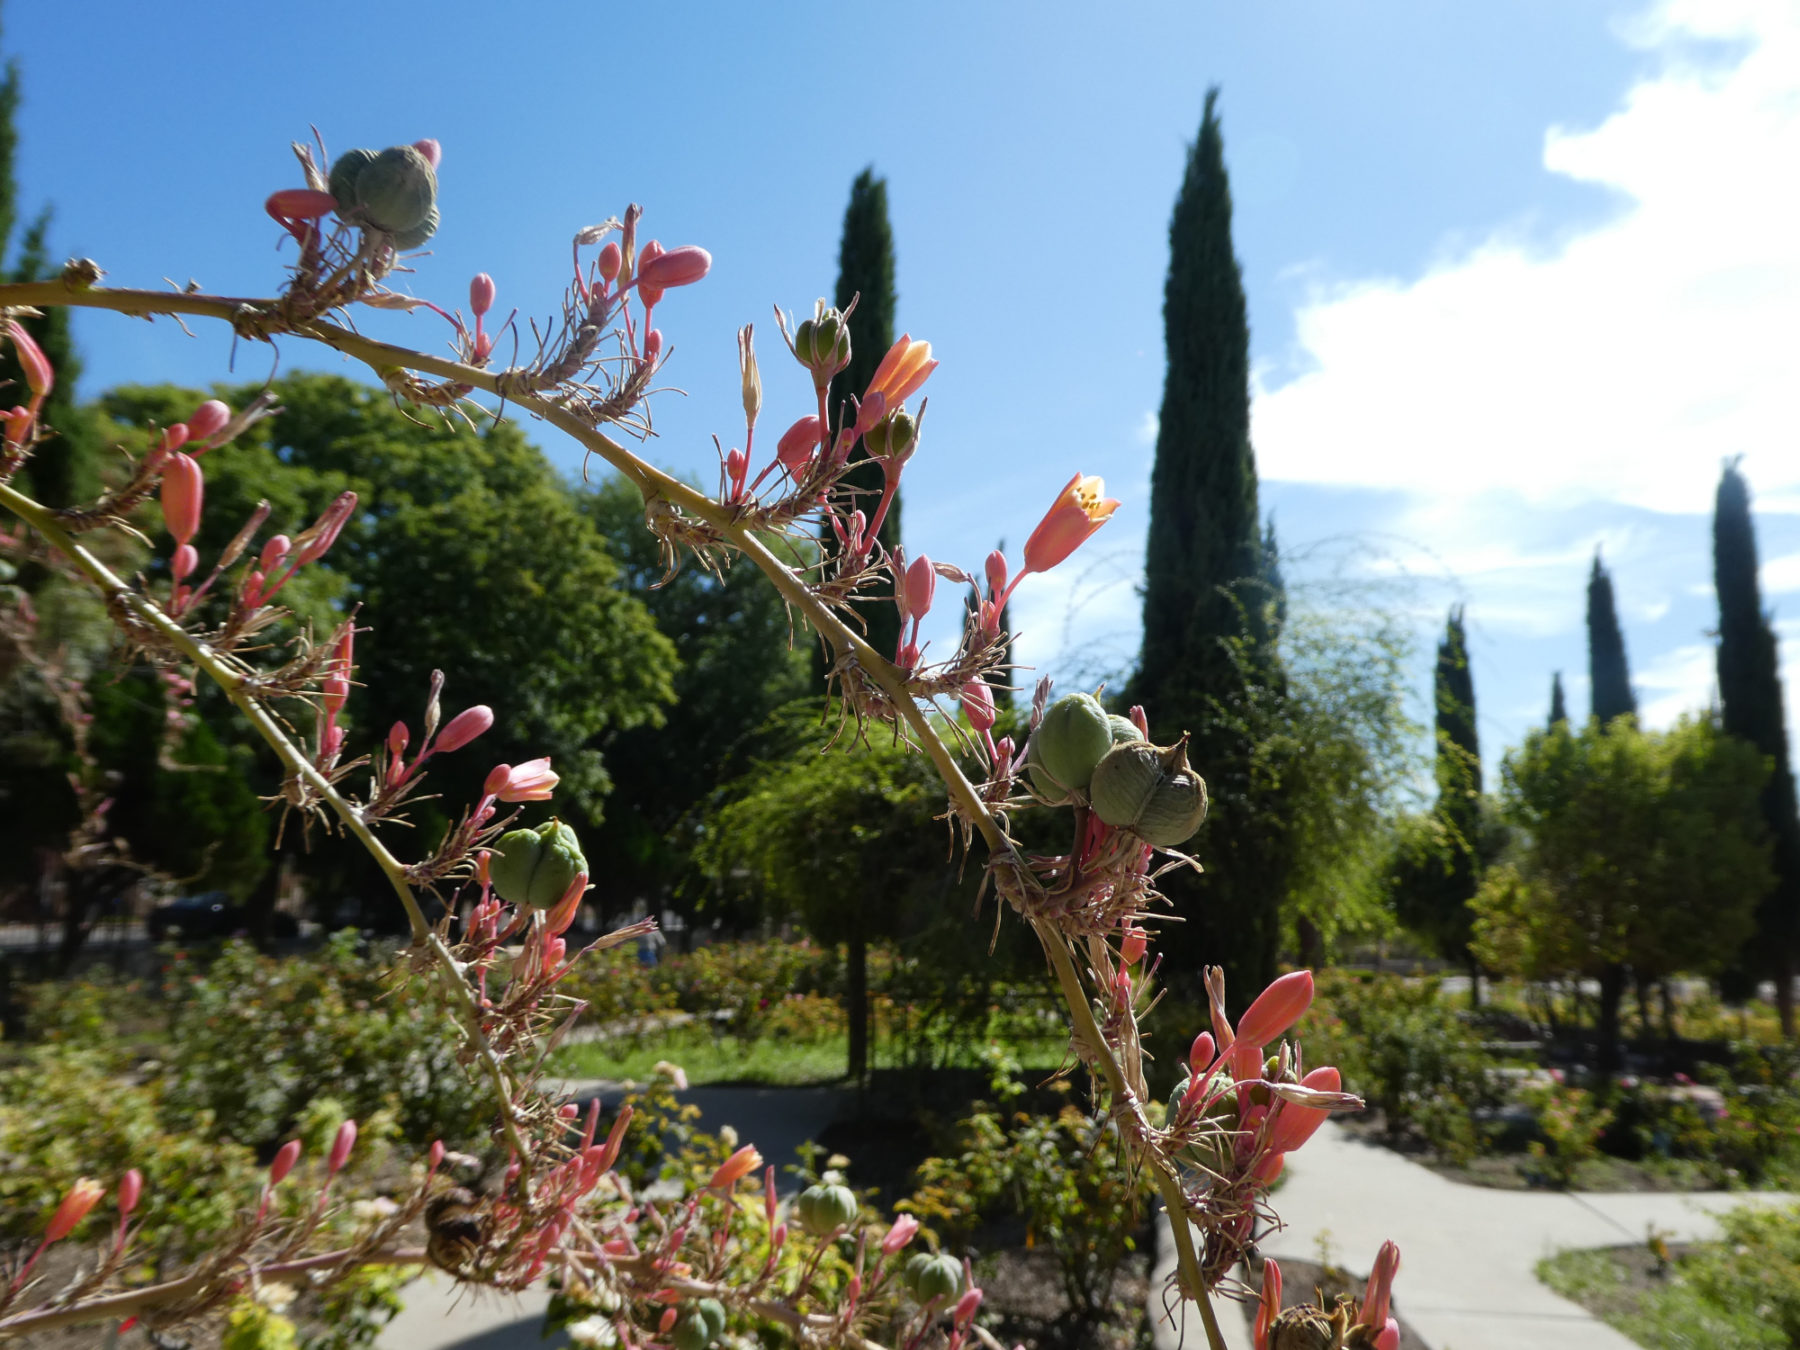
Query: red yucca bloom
point(1077, 512)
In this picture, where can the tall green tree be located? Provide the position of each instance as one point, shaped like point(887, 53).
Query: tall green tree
point(1441, 863)
point(1608, 672)
point(1209, 665)
point(1559, 706)
point(866, 275)
point(1636, 852)
point(1751, 707)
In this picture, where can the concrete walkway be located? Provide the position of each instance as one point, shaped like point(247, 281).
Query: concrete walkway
point(1468, 1253)
point(440, 1316)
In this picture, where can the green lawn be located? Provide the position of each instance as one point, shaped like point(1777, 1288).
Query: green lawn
point(1658, 1311)
point(710, 1058)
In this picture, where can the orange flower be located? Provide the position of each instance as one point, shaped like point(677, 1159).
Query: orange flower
point(735, 1168)
point(1077, 512)
point(82, 1197)
point(907, 365)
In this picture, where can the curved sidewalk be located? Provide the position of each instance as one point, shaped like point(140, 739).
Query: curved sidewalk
point(1467, 1253)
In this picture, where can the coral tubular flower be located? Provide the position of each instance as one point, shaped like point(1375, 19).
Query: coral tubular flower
point(899, 1235)
point(209, 419)
point(978, 704)
point(285, 1158)
point(532, 781)
point(1381, 1286)
point(340, 1148)
point(1295, 1124)
point(735, 1168)
point(82, 1197)
point(659, 271)
point(902, 371)
point(1077, 512)
point(38, 376)
point(464, 727)
point(1272, 1012)
point(1268, 1306)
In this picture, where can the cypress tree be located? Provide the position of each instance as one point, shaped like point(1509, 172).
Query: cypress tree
point(1208, 664)
point(1608, 672)
point(1559, 708)
point(1751, 708)
point(866, 275)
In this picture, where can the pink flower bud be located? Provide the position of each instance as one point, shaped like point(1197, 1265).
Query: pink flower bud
point(798, 444)
point(173, 438)
point(1295, 1124)
point(433, 152)
point(131, 1186)
point(653, 345)
point(183, 493)
point(1138, 720)
point(678, 267)
point(1381, 1286)
point(209, 419)
point(964, 1311)
point(1277, 1008)
point(335, 689)
point(996, 573)
point(465, 727)
point(921, 586)
point(481, 294)
point(436, 1156)
point(398, 736)
point(899, 1235)
point(1133, 946)
point(611, 259)
point(299, 204)
point(184, 561)
point(1202, 1053)
point(340, 1148)
point(315, 541)
point(273, 552)
point(82, 1197)
point(978, 704)
point(39, 377)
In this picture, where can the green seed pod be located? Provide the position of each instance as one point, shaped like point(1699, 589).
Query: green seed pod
point(824, 1209)
point(1123, 729)
point(892, 437)
point(1073, 737)
point(927, 1277)
point(396, 191)
point(693, 1331)
point(413, 238)
point(344, 174)
point(714, 1313)
point(535, 867)
point(1150, 791)
point(823, 345)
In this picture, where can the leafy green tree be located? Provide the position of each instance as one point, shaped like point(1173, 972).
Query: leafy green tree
point(1636, 852)
point(1608, 671)
point(1209, 664)
point(738, 663)
point(1751, 707)
point(866, 275)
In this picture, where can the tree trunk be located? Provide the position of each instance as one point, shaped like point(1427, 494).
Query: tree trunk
point(1612, 996)
point(1668, 1010)
point(1312, 943)
point(1474, 983)
point(856, 974)
point(1784, 993)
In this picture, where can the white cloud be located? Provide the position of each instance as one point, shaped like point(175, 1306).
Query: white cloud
point(1148, 426)
point(1781, 575)
point(1621, 364)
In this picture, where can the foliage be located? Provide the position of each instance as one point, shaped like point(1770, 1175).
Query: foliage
point(1751, 707)
point(1571, 1121)
point(1405, 1053)
point(734, 642)
point(1637, 848)
point(1209, 664)
point(254, 1041)
point(1756, 1268)
point(1063, 1174)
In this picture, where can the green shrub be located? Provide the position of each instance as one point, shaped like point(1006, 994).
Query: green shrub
point(1756, 1269)
point(255, 1039)
point(1401, 1049)
point(1571, 1121)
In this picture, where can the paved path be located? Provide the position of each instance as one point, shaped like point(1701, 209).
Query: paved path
point(1468, 1253)
point(439, 1316)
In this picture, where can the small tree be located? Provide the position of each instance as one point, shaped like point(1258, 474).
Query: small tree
point(1636, 851)
point(1609, 673)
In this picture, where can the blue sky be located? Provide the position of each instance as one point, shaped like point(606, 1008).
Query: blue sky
point(1519, 275)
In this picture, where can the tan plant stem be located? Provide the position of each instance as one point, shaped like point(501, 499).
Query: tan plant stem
point(134, 1301)
point(294, 760)
point(652, 484)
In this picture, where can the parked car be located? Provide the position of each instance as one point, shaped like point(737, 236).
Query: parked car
point(211, 914)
